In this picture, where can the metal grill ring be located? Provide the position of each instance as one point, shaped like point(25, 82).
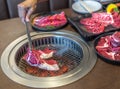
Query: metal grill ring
point(72, 51)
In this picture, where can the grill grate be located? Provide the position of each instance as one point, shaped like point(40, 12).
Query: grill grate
point(68, 55)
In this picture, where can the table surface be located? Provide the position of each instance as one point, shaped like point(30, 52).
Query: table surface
point(102, 76)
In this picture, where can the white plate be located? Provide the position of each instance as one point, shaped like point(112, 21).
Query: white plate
point(93, 5)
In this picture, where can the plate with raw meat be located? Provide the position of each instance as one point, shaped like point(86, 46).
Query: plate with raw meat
point(96, 24)
point(107, 47)
point(48, 21)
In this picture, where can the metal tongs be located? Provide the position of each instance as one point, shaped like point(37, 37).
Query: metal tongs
point(28, 27)
point(85, 6)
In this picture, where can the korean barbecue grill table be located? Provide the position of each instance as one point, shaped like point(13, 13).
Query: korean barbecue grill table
point(103, 75)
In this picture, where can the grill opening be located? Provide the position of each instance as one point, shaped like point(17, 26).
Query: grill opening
point(68, 55)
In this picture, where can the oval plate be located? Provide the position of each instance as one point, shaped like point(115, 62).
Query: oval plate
point(46, 29)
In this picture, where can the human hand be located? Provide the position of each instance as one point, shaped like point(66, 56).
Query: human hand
point(25, 9)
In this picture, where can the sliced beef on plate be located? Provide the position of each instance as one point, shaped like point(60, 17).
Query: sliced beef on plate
point(96, 28)
point(115, 39)
point(108, 46)
point(50, 20)
point(97, 23)
point(103, 17)
point(116, 17)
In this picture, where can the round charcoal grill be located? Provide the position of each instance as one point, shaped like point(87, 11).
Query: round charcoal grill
point(71, 53)
point(68, 55)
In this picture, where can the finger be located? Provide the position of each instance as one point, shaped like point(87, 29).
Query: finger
point(29, 3)
point(21, 10)
point(30, 11)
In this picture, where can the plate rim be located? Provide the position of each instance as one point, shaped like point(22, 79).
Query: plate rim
point(87, 12)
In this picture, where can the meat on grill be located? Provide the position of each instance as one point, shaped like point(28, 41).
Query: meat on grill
point(109, 46)
point(41, 59)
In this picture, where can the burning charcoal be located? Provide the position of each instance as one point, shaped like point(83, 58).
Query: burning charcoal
point(62, 70)
point(42, 73)
point(31, 70)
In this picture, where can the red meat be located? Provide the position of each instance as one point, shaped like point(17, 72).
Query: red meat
point(109, 55)
point(87, 21)
point(39, 58)
point(115, 39)
point(95, 28)
point(116, 17)
point(92, 25)
point(97, 23)
point(117, 56)
point(104, 43)
point(103, 17)
point(109, 46)
point(51, 20)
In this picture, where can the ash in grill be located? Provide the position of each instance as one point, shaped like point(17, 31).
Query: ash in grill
point(68, 55)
